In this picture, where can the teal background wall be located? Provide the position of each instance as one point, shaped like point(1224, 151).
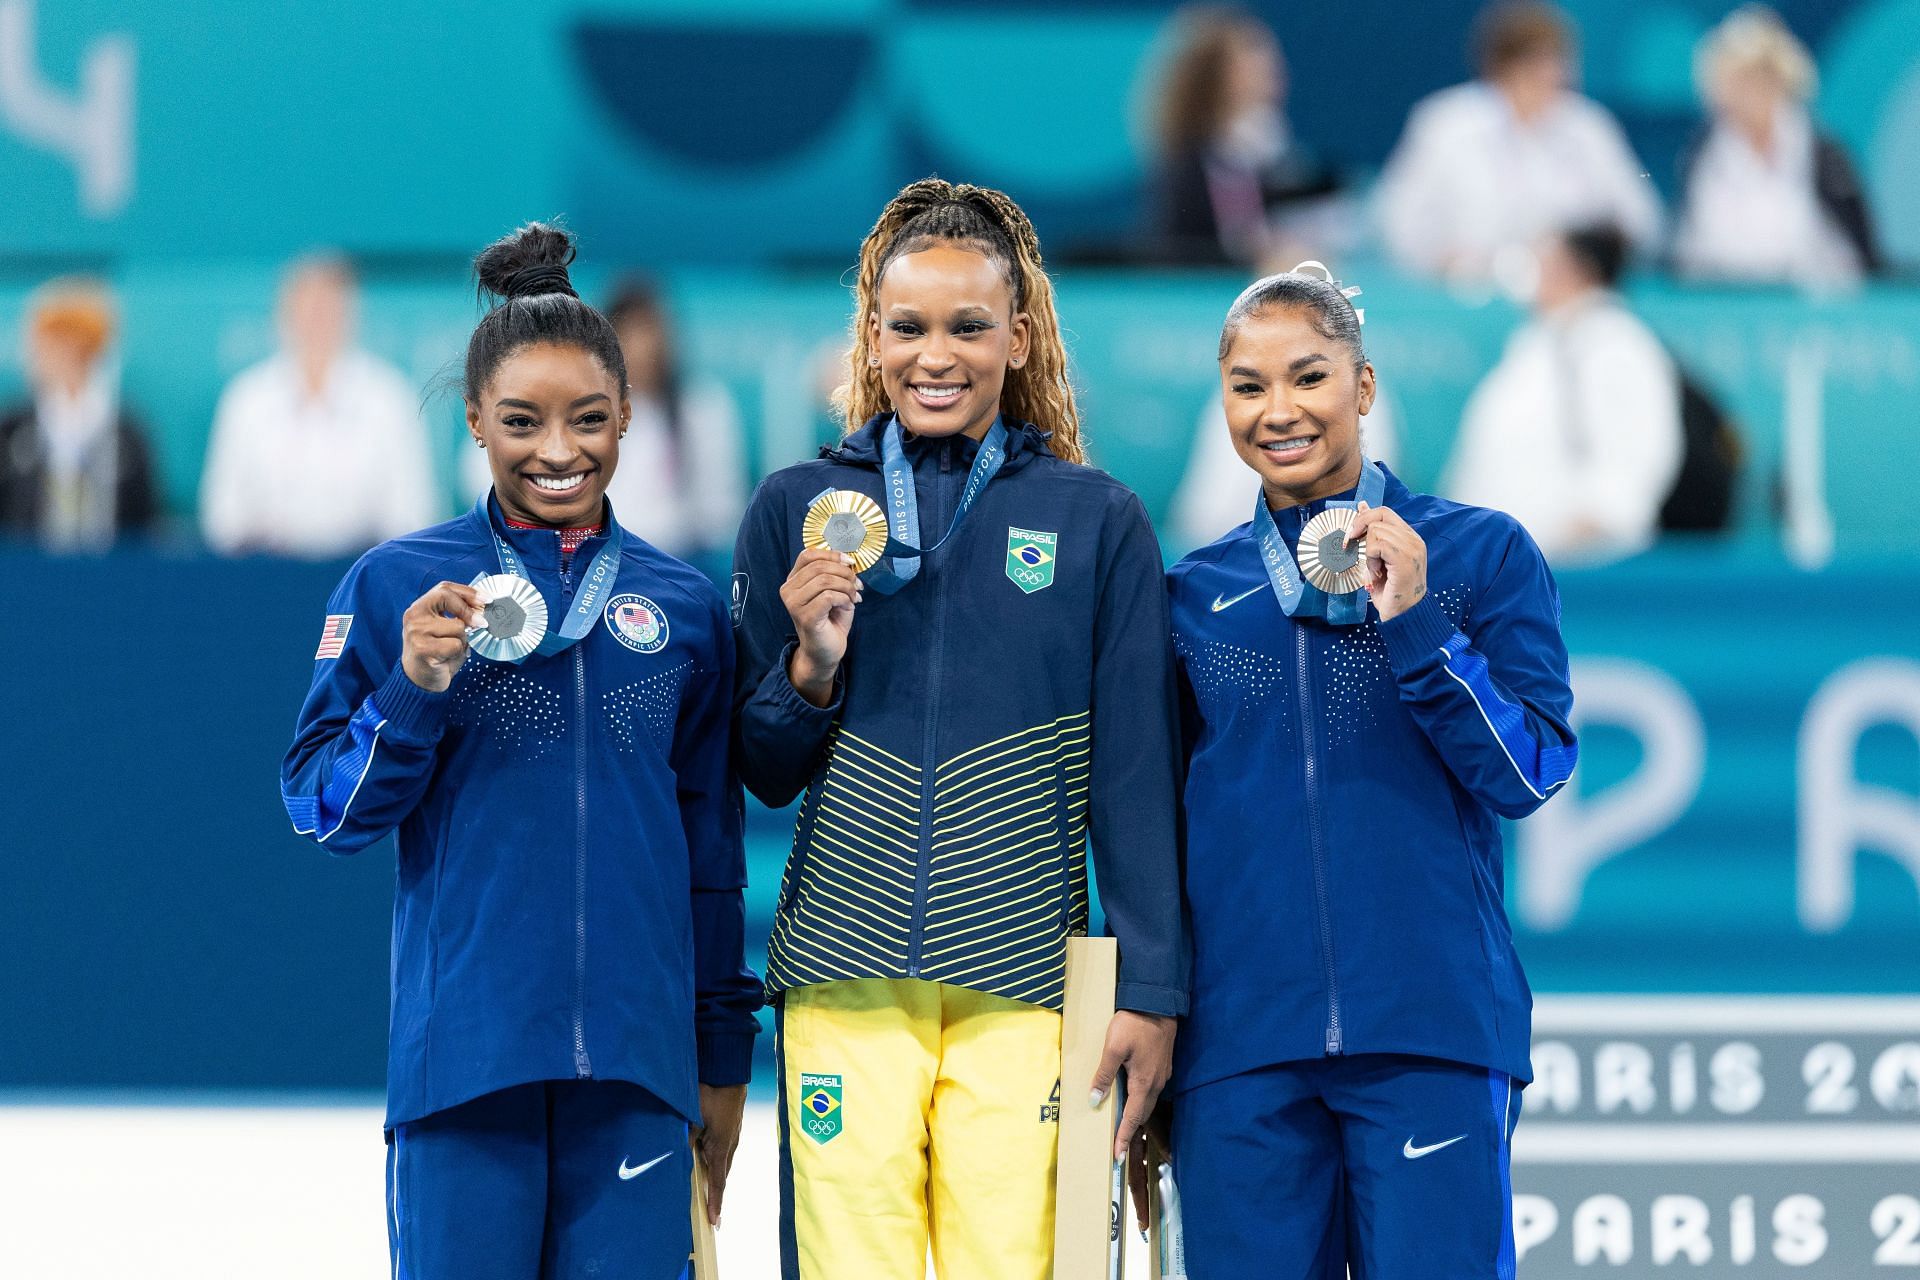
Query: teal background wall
point(769, 129)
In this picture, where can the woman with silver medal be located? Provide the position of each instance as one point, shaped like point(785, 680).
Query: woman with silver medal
point(1371, 679)
point(537, 703)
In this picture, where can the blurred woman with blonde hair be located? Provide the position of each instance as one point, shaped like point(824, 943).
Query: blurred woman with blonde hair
point(1768, 197)
point(75, 468)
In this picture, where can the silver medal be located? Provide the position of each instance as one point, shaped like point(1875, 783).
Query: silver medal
point(514, 615)
point(1325, 559)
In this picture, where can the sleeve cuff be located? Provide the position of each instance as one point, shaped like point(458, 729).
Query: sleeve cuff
point(1140, 997)
point(725, 1057)
point(779, 686)
point(413, 713)
point(1416, 635)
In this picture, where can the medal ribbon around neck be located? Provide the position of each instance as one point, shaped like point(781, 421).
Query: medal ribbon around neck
point(1297, 597)
point(902, 507)
point(588, 598)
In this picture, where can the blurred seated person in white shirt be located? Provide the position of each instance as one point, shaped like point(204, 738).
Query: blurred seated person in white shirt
point(1767, 198)
point(682, 479)
point(1576, 432)
point(318, 452)
point(76, 471)
point(1230, 181)
point(1485, 168)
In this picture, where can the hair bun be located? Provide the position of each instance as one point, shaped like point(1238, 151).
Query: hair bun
point(529, 262)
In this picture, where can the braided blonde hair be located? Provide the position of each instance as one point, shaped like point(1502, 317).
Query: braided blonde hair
point(932, 211)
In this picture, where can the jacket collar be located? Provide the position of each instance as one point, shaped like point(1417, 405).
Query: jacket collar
point(862, 447)
point(539, 548)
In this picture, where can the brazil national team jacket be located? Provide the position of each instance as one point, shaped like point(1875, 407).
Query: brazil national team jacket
point(570, 861)
point(1011, 701)
point(1343, 797)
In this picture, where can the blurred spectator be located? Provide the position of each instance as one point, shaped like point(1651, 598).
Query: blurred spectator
point(1485, 168)
point(1766, 197)
point(682, 479)
point(317, 451)
point(76, 471)
point(1576, 432)
point(1229, 171)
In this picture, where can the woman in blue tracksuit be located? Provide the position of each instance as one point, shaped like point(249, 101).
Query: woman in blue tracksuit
point(1348, 1079)
point(569, 993)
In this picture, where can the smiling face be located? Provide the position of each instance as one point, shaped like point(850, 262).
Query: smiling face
point(551, 421)
point(945, 333)
point(1294, 399)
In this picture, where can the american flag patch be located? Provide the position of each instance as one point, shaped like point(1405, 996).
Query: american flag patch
point(333, 636)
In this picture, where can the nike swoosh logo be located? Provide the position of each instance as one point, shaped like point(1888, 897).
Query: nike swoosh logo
point(626, 1173)
point(1221, 602)
point(1412, 1152)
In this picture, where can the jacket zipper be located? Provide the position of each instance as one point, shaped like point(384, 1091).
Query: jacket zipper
point(936, 652)
point(582, 1067)
point(1316, 835)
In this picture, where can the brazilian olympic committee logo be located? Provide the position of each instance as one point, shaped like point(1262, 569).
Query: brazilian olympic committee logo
point(1030, 557)
point(820, 1113)
point(637, 623)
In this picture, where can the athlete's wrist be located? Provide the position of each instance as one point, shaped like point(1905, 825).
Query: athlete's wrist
point(811, 679)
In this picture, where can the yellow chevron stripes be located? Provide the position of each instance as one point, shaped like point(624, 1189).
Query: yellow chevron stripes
point(1005, 865)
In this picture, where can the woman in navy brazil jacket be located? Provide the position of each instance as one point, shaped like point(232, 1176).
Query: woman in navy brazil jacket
point(1348, 1078)
point(962, 722)
point(567, 934)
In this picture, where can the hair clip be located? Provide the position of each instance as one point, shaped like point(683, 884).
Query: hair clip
point(1349, 292)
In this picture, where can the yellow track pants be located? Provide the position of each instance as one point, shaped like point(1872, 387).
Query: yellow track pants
point(913, 1114)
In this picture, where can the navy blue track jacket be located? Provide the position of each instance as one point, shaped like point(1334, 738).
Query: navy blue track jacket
point(1013, 700)
point(1343, 797)
point(570, 858)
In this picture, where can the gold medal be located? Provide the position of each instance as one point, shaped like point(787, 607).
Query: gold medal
point(1325, 559)
point(848, 522)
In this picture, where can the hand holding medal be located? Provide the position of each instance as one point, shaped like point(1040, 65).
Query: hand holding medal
point(1392, 559)
point(433, 634)
point(820, 595)
point(513, 618)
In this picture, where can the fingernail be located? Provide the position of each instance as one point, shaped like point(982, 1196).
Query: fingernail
point(1097, 1097)
point(1143, 1235)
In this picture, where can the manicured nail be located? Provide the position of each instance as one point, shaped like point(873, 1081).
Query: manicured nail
point(1097, 1097)
point(1143, 1236)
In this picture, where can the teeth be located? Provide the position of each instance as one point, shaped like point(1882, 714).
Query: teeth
point(1288, 446)
point(938, 393)
point(559, 484)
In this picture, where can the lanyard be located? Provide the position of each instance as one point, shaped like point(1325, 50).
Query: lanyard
point(588, 598)
point(1299, 598)
point(903, 506)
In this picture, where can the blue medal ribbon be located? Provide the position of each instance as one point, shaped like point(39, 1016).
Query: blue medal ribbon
point(1298, 597)
point(588, 598)
point(903, 506)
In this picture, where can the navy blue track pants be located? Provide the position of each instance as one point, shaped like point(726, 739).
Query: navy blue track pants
point(545, 1181)
point(1393, 1166)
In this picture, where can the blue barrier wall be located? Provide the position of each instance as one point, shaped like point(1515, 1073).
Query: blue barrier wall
point(160, 925)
